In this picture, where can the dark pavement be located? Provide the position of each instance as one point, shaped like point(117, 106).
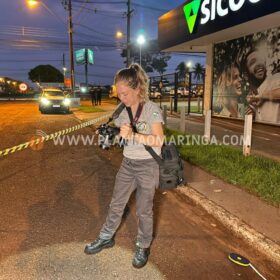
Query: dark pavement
point(55, 200)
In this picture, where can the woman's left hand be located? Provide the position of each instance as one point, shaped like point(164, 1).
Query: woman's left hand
point(126, 131)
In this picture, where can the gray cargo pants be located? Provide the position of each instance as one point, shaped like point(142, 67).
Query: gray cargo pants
point(142, 175)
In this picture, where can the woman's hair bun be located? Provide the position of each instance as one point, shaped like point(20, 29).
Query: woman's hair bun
point(135, 67)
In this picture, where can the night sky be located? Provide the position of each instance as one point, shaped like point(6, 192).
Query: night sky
point(30, 37)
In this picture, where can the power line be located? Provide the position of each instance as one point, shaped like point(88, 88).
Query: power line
point(100, 39)
point(81, 9)
point(116, 15)
point(52, 12)
point(45, 43)
point(7, 70)
point(149, 7)
point(123, 2)
point(29, 60)
point(95, 75)
point(98, 2)
point(28, 31)
point(98, 32)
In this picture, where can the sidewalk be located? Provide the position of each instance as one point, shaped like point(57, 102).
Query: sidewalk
point(246, 215)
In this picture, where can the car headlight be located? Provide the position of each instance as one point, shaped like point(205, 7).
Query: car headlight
point(66, 102)
point(45, 101)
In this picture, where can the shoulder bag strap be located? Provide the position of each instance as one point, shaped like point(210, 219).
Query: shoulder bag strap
point(116, 112)
point(148, 148)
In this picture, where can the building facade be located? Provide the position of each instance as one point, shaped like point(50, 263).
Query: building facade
point(241, 40)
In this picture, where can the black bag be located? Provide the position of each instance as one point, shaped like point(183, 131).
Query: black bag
point(171, 170)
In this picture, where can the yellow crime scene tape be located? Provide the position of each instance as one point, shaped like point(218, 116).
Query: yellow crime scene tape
point(42, 139)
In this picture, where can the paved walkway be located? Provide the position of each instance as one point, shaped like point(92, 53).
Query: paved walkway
point(249, 208)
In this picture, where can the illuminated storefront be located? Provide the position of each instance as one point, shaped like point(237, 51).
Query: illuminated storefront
point(242, 44)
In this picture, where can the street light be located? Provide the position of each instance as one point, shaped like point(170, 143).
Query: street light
point(64, 71)
point(32, 3)
point(141, 40)
point(119, 35)
point(189, 64)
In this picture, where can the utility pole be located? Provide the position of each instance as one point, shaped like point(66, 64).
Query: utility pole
point(63, 68)
point(86, 68)
point(68, 6)
point(129, 12)
point(63, 60)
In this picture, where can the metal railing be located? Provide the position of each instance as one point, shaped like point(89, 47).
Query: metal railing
point(178, 91)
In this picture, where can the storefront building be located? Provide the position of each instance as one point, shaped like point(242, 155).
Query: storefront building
point(241, 39)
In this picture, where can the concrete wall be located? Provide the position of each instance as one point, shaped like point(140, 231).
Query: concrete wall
point(208, 78)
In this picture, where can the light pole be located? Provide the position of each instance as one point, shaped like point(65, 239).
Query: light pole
point(68, 6)
point(64, 71)
point(129, 12)
point(119, 35)
point(141, 40)
point(64, 67)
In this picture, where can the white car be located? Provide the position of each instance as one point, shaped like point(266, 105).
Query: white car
point(181, 91)
point(155, 93)
point(53, 99)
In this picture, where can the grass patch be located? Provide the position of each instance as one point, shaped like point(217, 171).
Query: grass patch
point(194, 109)
point(111, 101)
point(90, 109)
point(256, 174)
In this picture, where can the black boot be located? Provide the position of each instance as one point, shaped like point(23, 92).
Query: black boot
point(141, 257)
point(97, 245)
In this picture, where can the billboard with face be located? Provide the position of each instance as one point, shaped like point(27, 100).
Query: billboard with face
point(247, 77)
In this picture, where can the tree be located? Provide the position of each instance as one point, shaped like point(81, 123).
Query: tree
point(183, 71)
point(198, 71)
point(151, 57)
point(159, 62)
point(45, 74)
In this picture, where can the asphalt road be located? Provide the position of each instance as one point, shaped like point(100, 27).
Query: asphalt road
point(55, 199)
point(20, 121)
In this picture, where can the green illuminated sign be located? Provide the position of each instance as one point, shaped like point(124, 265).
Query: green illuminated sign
point(191, 11)
point(80, 56)
point(90, 57)
point(83, 56)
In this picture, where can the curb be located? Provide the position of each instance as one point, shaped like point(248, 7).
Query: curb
point(239, 228)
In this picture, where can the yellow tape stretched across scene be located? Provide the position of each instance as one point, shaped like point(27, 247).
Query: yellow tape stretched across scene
point(42, 139)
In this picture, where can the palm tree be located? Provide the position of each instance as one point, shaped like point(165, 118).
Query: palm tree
point(183, 71)
point(198, 71)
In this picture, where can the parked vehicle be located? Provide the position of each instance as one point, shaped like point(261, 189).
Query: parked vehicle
point(113, 92)
point(181, 91)
point(166, 90)
point(53, 99)
point(155, 93)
